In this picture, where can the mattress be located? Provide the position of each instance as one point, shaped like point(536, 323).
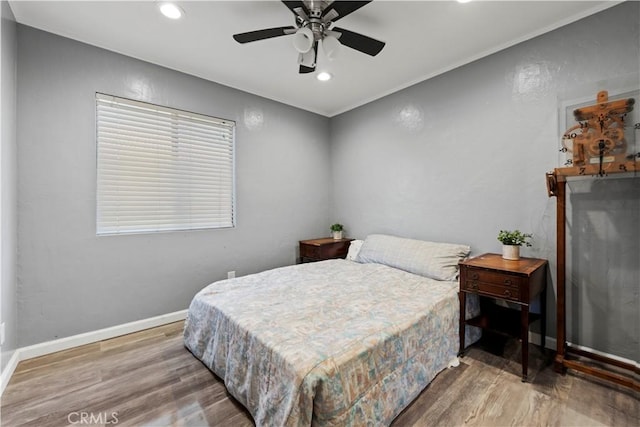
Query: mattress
point(328, 343)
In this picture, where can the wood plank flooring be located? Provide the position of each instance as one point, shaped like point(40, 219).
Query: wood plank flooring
point(149, 379)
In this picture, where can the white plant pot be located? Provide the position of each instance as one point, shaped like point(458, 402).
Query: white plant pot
point(511, 252)
point(337, 235)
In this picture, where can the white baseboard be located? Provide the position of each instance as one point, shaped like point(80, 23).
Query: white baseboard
point(53, 346)
point(602, 353)
point(8, 370)
point(549, 342)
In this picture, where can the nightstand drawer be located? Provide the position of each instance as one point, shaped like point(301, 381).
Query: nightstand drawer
point(493, 289)
point(494, 277)
point(310, 251)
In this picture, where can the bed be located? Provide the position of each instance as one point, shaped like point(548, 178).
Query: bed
point(337, 342)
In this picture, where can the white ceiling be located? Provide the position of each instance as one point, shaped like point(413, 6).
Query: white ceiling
point(424, 39)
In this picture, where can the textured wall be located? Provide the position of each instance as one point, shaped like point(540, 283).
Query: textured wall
point(463, 155)
point(603, 259)
point(8, 178)
point(71, 281)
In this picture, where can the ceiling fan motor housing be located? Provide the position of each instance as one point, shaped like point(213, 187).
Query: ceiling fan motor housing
point(315, 13)
point(318, 30)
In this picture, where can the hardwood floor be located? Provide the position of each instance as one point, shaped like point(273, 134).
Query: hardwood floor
point(150, 379)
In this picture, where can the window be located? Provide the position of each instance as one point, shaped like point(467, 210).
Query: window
point(160, 169)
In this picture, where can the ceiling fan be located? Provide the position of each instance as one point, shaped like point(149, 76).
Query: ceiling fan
point(313, 25)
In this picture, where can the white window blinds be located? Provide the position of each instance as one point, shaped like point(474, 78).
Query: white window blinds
point(160, 169)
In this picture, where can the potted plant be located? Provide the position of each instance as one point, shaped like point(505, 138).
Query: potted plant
point(336, 231)
point(511, 242)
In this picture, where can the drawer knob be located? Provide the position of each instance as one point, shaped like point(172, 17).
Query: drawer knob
point(475, 276)
point(473, 285)
point(507, 293)
point(508, 282)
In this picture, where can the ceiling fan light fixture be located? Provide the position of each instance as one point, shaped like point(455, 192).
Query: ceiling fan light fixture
point(171, 10)
point(331, 47)
point(303, 40)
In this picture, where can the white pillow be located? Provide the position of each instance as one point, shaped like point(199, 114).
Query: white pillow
point(430, 259)
point(354, 248)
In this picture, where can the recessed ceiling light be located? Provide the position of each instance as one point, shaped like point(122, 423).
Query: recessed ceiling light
point(171, 10)
point(464, 1)
point(323, 76)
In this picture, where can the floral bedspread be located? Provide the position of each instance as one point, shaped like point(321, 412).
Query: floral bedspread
point(327, 343)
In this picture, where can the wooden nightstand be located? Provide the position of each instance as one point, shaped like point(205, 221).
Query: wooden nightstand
point(517, 282)
point(325, 248)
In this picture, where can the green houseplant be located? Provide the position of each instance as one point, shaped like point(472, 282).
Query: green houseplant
point(511, 242)
point(336, 231)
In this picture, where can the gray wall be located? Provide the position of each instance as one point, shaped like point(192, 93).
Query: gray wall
point(71, 281)
point(8, 179)
point(603, 257)
point(463, 155)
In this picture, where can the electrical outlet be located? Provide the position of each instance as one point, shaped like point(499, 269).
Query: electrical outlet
point(2, 333)
point(231, 274)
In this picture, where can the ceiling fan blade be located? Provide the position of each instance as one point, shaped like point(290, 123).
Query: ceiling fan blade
point(359, 42)
point(304, 69)
point(267, 33)
point(343, 8)
point(292, 5)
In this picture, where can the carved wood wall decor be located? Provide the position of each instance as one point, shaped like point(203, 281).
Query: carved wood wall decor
point(597, 142)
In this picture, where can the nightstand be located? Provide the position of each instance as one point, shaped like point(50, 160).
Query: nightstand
point(517, 282)
point(324, 248)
